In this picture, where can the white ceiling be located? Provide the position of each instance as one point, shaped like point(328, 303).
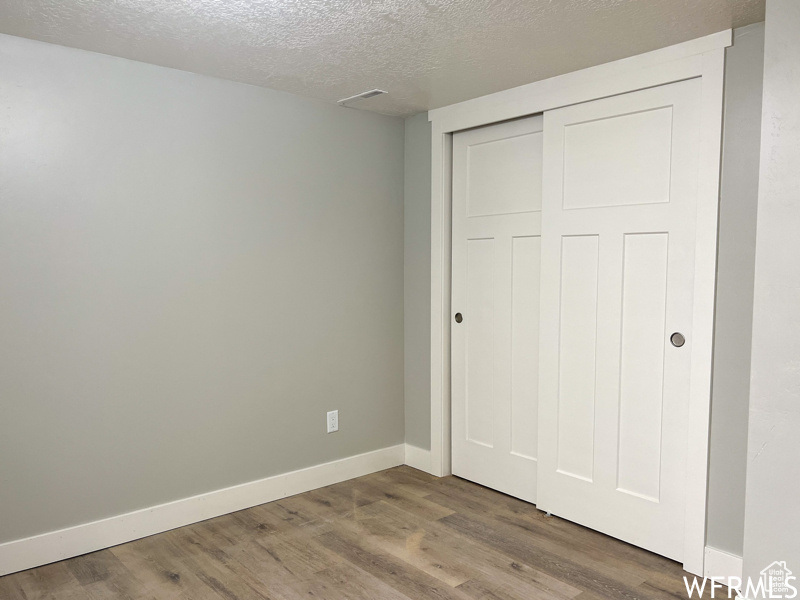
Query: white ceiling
point(426, 53)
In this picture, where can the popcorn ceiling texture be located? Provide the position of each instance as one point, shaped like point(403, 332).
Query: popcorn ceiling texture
point(426, 53)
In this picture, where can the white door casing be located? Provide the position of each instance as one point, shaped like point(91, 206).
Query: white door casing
point(702, 58)
point(497, 199)
point(618, 246)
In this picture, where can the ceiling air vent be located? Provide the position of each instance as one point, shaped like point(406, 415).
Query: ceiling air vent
point(361, 96)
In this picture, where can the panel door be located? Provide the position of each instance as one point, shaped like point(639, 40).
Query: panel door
point(497, 192)
point(618, 246)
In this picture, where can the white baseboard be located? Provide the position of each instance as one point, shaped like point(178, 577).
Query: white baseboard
point(418, 458)
point(18, 555)
point(721, 565)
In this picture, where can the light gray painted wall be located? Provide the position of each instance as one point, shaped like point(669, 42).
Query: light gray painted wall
point(736, 262)
point(418, 280)
point(772, 521)
point(193, 271)
point(734, 301)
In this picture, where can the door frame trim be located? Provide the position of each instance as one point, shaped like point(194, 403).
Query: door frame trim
point(702, 58)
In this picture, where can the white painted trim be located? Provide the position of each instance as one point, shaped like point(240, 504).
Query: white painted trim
point(418, 458)
point(442, 156)
point(705, 288)
point(515, 102)
point(42, 549)
point(722, 565)
point(702, 58)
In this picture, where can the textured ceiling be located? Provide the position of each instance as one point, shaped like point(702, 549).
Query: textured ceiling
point(425, 53)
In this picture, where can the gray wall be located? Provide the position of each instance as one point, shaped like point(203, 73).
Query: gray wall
point(417, 220)
point(772, 521)
point(734, 302)
point(737, 232)
point(193, 271)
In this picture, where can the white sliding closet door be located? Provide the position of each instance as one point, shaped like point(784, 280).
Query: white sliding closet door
point(497, 193)
point(618, 245)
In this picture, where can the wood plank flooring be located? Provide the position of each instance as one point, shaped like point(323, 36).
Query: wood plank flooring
point(399, 534)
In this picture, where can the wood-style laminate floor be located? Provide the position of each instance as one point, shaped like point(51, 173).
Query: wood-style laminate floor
point(393, 535)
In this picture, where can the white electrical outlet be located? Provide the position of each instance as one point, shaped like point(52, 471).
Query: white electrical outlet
point(333, 421)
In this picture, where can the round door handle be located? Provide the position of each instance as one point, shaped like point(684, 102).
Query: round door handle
point(677, 339)
point(459, 318)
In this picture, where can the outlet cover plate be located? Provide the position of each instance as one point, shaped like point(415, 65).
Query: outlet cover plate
point(333, 421)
